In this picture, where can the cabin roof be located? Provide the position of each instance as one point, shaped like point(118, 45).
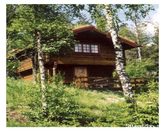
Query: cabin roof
point(88, 30)
point(127, 43)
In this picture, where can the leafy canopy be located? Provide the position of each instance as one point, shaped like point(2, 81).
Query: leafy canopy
point(52, 22)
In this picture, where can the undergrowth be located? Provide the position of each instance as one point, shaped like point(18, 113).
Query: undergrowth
point(69, 106)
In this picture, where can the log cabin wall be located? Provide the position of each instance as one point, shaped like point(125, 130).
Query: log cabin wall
point(86, 64)
point(67, 71)
point(97, 64)
point(25, 68)
point(91, 64)
point(26, 75)
point(100, 71)
point(104, 56)
point(25, 64)
point(71, 72)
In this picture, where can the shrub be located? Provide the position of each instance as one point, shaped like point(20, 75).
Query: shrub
point(153, 85)
point(140, 69)
point(61, 106)
point(69, 106)
point(11, 67)
point(147, 113)
point(21, 93)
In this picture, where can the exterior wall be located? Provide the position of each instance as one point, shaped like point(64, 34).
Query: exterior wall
point(26, 75)
point(69, 71)
point(25, 69)
point(100, 71)
point(65, 70)
point(25, 64)
point(105, 56)
point(76, 66)
point(92, 64)
point(97, 64)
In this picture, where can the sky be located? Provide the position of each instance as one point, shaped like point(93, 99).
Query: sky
point(152, 20)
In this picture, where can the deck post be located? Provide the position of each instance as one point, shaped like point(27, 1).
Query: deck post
point(54, 68)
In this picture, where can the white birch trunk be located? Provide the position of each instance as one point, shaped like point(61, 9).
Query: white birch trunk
point(42, 71)
point(139, 56)
point(34, 67)
point(112, 28)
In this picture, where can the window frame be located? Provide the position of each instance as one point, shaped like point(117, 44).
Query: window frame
point(94, 49)
point(86, 48)
point(79, 48)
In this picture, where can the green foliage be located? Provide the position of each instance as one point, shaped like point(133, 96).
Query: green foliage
point(155, 38)
point(19, 32)
point(140, 69)
point(98, 15)
point(56, 36)
point(137, 12)
point(148, 112)
point(11, 67)
point(69, 106)
point(60, 106)
point(127, 32)
point(21, 93)
point(153, 85)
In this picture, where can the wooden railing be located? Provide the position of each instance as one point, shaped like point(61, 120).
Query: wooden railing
point(102, 82)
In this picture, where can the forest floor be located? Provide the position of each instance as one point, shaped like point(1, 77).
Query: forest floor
point(96, 108)
point(93, 102)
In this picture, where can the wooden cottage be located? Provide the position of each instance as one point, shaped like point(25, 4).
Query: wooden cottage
point(93, 56)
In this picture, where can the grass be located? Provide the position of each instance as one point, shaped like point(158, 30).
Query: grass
point(94, 97)
point(84, 107)
point(94, 102)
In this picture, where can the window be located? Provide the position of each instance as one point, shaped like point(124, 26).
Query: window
point(94, 49)
point(86, 48)
point(78, 48)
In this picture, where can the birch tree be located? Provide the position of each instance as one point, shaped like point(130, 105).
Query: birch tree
point(137, 13)
point(112, 23)
point(39, 28)
point(42, 70)
point(113, 30)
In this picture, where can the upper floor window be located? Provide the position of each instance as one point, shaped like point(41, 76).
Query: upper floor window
point(78, 48)
point(86, 48)
point(94, 49)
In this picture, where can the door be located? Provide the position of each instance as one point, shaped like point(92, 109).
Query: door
point(81, 76)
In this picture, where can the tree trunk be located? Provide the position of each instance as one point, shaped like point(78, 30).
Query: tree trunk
point(42, 71)
point(124, 79)
point(34, 66)
point(139, 56)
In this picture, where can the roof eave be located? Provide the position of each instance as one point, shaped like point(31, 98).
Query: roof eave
point(126, 41)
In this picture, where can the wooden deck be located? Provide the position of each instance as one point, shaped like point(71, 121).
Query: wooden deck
point(107, 82)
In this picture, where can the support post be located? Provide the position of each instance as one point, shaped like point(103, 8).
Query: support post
point(54, 68)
